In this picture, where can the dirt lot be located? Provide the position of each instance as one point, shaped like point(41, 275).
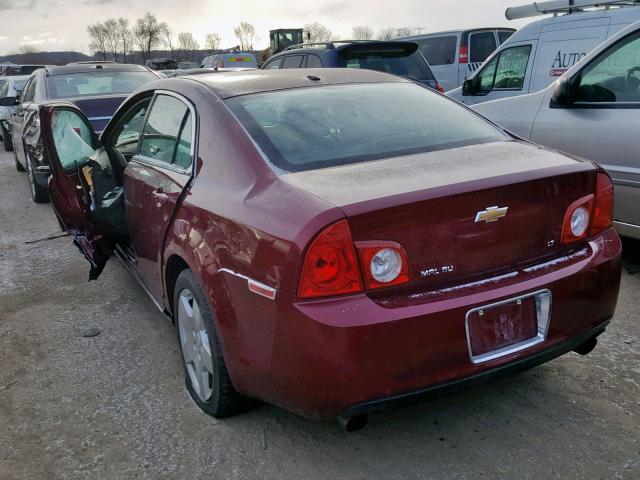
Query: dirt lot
point(115, 406)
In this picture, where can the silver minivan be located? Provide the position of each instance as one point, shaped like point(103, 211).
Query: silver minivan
point(454, 55)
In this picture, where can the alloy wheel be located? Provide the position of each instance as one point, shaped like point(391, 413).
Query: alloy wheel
point(195, 345)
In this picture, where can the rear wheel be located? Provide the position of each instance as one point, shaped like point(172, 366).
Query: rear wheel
point(205, 371)
point(39, 194)
point(6, 140)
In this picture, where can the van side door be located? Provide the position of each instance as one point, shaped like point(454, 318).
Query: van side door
point(601, 124)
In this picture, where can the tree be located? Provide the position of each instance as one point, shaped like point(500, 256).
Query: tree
point(149, 33)
point(212, 41)
point(167, 39)
point(98, 39)
point(403, 32)
point(187, 43)
point(362, 32)
point(316, 32)
point(125, 36)
point(112, 37)
point(246, 34)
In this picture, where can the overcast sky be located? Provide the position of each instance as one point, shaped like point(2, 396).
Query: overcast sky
point(61, 24)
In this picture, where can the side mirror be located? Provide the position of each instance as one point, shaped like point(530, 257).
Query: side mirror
point(469, 87)
point(9, 101)
point(564, 93)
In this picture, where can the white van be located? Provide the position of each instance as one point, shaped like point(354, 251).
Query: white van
point(538, 54)
point(230, 60)
point(455, 54)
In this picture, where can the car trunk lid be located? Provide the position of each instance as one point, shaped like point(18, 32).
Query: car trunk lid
point(445, 207)
point(99, 110)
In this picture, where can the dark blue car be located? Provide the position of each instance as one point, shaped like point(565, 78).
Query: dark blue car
point(395, 57)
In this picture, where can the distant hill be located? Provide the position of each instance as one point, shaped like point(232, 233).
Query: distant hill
point(45, 58)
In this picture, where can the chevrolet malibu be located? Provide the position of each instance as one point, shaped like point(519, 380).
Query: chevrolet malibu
point(335, 241)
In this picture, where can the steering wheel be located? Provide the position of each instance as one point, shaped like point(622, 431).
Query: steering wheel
point(630, 80)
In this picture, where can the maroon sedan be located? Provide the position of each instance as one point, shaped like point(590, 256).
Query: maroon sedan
point(338, 241)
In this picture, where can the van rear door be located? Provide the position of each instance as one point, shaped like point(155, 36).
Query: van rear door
point(562, 45)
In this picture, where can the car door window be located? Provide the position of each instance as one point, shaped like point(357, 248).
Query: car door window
point(505, 71)
point(183, 148)
point(4, 88)
point(72, 138)
point(293, 61)
point(614, 76)
point(127, 133)
point(29, 91)
point(482, 45)
point(273, 65)
point(313, 61)
point(162, 129)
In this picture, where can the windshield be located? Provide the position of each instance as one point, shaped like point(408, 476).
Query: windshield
point(96, 83)
point(19, 84)
point(316, 127)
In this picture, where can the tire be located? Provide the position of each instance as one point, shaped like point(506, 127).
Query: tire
point(39, 194)
point(212, 390)
point(6, 140)
point(19, 166)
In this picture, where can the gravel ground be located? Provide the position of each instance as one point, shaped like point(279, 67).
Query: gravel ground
point(115, 405)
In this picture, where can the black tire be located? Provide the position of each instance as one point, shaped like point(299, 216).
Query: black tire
point(224, 400)
point(19, 166)
point(39, 194)
point(6, 140)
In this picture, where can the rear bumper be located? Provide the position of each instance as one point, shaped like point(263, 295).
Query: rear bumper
point(448, 388)
point(343, 356)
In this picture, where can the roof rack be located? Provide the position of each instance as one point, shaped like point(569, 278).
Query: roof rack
point(563, 7)
point(333, 44)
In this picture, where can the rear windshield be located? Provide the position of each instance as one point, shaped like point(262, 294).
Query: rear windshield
point(503, 35)
point(96, 83)
point(411, 66)
point(439, 50)
point(483, 44)
point(317, 127)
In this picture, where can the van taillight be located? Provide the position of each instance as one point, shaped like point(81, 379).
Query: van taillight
point(603, 204)
point(439, 87)
point(331, 264)
point(463, 56)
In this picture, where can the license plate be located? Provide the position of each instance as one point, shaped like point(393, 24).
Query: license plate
point(509, 326)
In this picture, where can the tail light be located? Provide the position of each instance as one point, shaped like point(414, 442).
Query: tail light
point(439, 87)
point(383, 264)
point(603, 204)
point(591, 214)
point(331, 265)
point(463, 56)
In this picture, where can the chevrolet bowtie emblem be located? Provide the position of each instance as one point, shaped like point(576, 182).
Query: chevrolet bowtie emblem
point(491, 214)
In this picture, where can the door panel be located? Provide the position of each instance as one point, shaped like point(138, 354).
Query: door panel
point(69, 143)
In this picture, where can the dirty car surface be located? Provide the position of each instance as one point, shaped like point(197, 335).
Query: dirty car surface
point(332, 255)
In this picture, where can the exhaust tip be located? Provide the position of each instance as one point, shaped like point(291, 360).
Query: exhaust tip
point(355, 423)
point(586, 347)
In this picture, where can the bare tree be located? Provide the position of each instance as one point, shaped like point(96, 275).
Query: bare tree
point(403, 32)
point(316, 32)
point(212, 41)
point(98, 39)
point(385, 34)
point(112, 37)
point(187, 44)
point(246, 34)
point(149, 33)
point(362, 32)
point(167, 39)
point(125, 36)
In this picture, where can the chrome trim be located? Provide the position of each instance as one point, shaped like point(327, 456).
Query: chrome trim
point(543, 315)
point(627, 229)
point(620, 169)
point(491, 214)
point(269, 293)
point(106, 117)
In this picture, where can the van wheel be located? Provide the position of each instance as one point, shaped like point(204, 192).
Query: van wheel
point(205, 371)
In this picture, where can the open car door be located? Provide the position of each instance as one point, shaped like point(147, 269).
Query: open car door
point(71, 147)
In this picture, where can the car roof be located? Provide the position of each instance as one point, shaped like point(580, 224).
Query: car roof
point(452, 32)
point(247, 82)
point(94, 67)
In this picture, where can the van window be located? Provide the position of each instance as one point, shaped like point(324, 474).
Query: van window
point(439, 50)
point(503, 35)
point(615, 76)
point(482, 45)
point(506, 70)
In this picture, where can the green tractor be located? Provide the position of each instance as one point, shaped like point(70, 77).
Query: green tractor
point(280, 39)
